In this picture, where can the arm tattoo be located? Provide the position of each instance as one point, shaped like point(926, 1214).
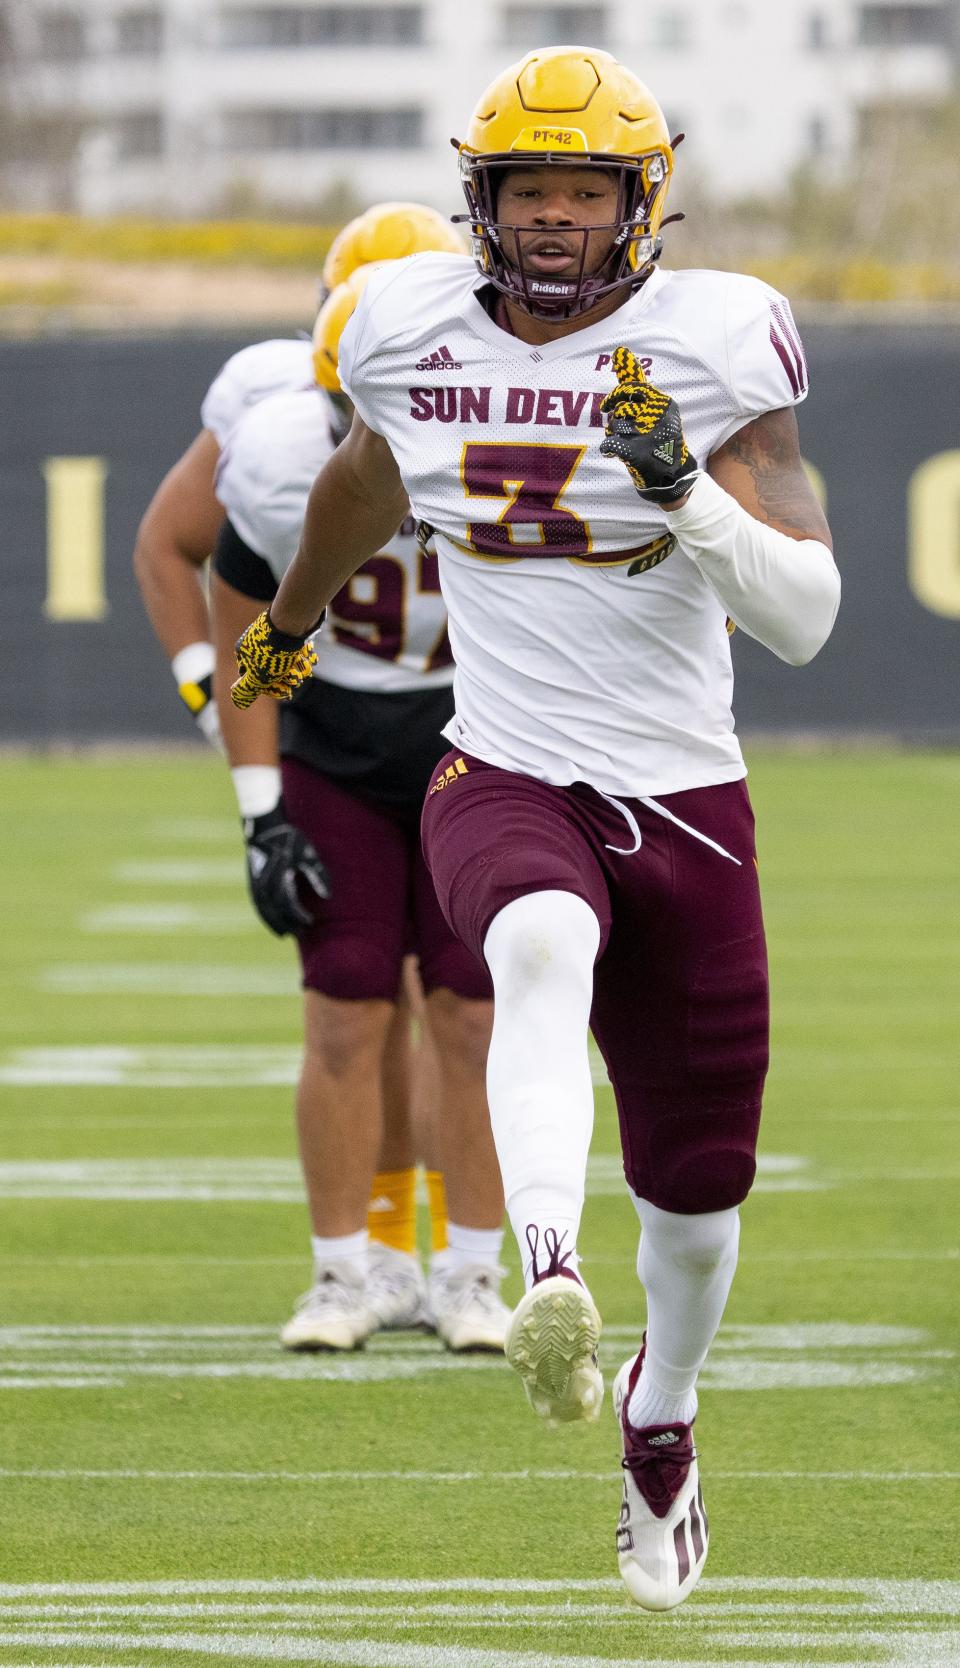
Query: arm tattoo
point(769, 448)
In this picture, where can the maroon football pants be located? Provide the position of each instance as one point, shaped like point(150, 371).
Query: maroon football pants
point(382, 903)
point(680, 1010)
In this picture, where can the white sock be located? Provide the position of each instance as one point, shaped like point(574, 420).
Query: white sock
point(348, 1249)
point(466, 1247)
point(686, 1265)
point(540, 950)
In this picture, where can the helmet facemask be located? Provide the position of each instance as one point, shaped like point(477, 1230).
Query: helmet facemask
point(641, 182)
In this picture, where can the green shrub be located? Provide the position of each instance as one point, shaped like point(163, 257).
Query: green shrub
point(204, 243)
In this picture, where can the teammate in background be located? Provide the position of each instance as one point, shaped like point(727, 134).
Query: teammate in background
point(176, 536)
point(180, 526)
point(597, 846)
point(345, 777)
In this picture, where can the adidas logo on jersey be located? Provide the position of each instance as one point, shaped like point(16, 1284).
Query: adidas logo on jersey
point(440, 360)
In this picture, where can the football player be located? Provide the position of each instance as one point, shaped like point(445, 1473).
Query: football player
point(175, 538)
point(346, 776)
point(607, 454)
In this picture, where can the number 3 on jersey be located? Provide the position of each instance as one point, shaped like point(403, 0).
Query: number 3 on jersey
point(532, 478)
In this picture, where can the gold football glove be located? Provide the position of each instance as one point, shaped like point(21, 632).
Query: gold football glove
point(271, 663)
point(645, 432)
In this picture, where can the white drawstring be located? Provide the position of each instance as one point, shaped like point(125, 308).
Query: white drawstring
point(654, 805)
point(631, 822)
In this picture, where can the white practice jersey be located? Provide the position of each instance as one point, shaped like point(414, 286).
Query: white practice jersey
point(568, 670)
point(252, 375)
point(386, 630)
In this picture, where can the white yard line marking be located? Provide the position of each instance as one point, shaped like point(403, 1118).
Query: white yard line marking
point(194, 830)
point(180, 979)
point(187, 871)
point(201, 1180)
point(274, 1180)
point(298, 1610)
point(804, 1356)
point(900, 1624)
point(169, 918)
point(804, 1335)
point(881, 950)
point(899, 1595)
point(443, 1477)
point(154, 1066)
point(358, 1653)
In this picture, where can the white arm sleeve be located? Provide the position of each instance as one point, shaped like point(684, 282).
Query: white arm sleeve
point(784, 592)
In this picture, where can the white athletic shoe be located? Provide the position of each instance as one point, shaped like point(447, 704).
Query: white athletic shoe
point(662, 1535)
point(552, 1343)
point(334, 1314)
point(396, 1289)
point(466, 1308)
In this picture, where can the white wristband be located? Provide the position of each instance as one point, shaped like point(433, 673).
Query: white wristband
point(784, 592)
point(194, 662)
point(257, 788)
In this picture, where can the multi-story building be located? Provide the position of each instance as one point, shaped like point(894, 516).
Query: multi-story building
point(187, 105)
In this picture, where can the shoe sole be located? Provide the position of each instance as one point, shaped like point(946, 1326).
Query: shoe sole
point(305, 1343)
point(321, 1346)
point(551, 1342)
point(473, 1343)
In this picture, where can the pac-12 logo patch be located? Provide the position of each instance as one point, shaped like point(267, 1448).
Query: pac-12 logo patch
point(605, 359)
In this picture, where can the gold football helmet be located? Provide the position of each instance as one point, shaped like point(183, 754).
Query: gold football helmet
point(332, 321)
point(387, 232)
point(568, 106)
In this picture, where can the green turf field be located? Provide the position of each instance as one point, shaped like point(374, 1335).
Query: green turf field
point(173, 1487)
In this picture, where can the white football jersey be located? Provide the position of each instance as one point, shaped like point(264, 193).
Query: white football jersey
point(252, 375)
point(567, 669)
point(386, 630)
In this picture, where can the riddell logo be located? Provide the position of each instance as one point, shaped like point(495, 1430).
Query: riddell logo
point(441, 360)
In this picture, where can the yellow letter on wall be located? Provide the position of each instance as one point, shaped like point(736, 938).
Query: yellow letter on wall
point(933, 509)
point(75, 551)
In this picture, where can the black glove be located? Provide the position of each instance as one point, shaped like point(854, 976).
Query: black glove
point(278, 856)
point(645, 432)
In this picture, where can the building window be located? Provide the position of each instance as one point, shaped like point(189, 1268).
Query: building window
point(904, 26)
point(816, 136)
point(61, 38)
point(259, 27)
point(815, 34)
point(323, 130)
point(529, 26)
point(671, 31)
point(139, 135)
point(139, 34)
